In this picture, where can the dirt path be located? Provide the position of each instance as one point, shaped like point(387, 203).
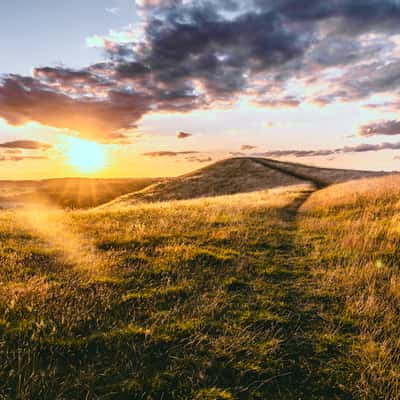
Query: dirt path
point(316, 361)
point(224, 307)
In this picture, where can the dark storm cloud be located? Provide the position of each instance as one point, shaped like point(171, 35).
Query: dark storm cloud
point(131, 69)
point(194, 54)
point(351, 16)
point(390, 128)
point(25, 144)
point(340, 50)
point(196, 43)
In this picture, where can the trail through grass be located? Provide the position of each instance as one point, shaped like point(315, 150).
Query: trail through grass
point(202, 299)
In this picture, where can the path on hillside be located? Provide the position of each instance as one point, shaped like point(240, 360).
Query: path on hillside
point(319, 184)
point(222, 306)
point(316, 361)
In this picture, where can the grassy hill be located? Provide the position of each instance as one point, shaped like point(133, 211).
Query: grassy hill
point(320, 176)
point(262, 286)
point(221, 178)
point(238, 175)
point(68, 192)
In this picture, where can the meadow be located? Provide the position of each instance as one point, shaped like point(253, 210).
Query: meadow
point(266, 288)
point(354, 231)
point(68, 192)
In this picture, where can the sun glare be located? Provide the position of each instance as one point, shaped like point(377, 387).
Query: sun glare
point(85, 156)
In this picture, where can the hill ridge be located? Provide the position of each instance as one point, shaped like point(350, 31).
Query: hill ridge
point(238, 175)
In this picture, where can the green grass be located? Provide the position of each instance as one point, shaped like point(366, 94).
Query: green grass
point(180, 306)
point(232, 297)
point(353, 232)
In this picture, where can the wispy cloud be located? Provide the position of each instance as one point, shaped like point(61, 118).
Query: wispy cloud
point(20, 158)
point(113, 10)
point(361, 148)
point(247, 147)
point(25, 144)
point(168, 153)
point(199, 159)
point(390, 128)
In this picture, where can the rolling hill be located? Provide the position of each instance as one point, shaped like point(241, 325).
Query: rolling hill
point(261, 282)
point(68, 192)
point(238, 175)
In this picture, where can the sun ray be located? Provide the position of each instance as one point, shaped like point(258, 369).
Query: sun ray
point(85, 156)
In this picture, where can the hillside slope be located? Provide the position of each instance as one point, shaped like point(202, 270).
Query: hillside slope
point(238, 175)
point(68, 192)
point(285, 293)
point(320, 176)
point(222, 178)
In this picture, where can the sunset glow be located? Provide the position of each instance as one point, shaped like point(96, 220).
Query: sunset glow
point(85, 156)
point(296, 80)
point(199, 199)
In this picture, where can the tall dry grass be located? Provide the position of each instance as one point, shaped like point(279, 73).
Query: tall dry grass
point(354, 232)
point(185, 307)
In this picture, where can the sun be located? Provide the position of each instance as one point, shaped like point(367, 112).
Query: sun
point(85, 156)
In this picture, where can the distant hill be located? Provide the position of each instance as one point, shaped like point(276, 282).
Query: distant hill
point(235, 175)
point(68, 192)
point(320, 176)
point(238, 175)
point(224, 177)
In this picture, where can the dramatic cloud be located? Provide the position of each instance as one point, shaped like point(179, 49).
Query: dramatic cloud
point(23, 100)
point(168, 153)
point(389, 128)
point(25, 144)
point(183, 135)
point(189, 54)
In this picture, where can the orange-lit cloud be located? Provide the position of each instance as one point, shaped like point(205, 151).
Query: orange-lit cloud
point(188, 55)
point(25, 144)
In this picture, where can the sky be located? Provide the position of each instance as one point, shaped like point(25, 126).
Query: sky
point(118, 88)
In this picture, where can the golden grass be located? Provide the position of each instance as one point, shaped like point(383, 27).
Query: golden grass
point(185, 307)
point(71, 192)
point(323, 176)
point(225, 177)
point(354, 231)
point(226, 296)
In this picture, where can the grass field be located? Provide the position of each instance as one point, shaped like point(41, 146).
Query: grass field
point(68, 192)
point(354, 231)
point(271, 293)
